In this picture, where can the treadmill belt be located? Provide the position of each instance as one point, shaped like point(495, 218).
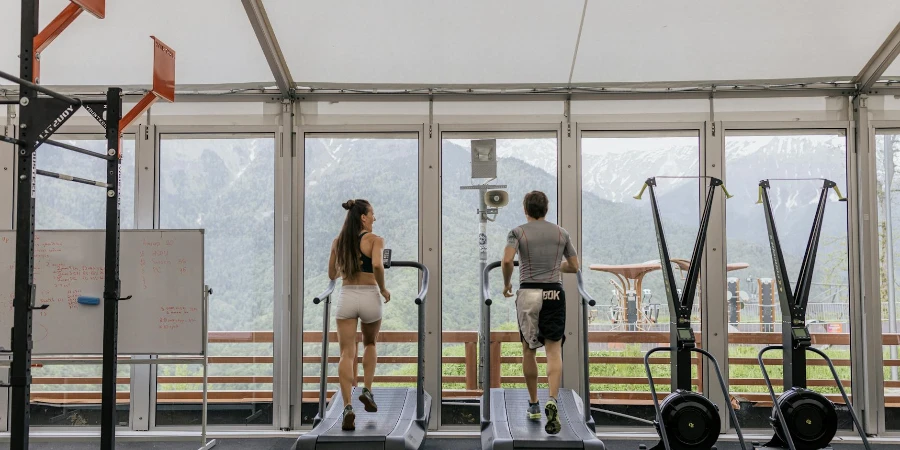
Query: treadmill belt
point(390, 403)
point(530, 433)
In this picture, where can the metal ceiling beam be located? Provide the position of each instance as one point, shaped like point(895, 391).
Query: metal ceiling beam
point(880, 61)
point(325, 95)
point(259, 20)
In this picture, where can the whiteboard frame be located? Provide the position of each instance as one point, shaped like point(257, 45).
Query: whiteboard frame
point(205, 307)
point(203, 360)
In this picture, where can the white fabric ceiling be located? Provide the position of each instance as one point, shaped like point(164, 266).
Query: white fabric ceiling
point(894, 70)
point(654, 40)
point(427, 41)
point(403, 42)
point(213, 41)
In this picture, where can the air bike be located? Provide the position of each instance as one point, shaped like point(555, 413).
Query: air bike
point(403, 413)
point(685, 419)
point(811, 418)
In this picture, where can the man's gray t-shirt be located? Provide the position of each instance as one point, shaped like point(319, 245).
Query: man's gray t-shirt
point(541, 246)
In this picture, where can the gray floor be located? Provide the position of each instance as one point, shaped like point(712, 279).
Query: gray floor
point(285, 444)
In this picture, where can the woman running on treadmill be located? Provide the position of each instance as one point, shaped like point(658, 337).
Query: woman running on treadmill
point(540, 300)
point(356, 257)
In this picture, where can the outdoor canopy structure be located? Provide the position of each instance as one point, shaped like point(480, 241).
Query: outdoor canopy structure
point(266, 51)
point(292, 48)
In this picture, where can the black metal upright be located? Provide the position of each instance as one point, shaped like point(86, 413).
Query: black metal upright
point(20, 373)
point(112, 284)
point(681, 335)
point(794, 333)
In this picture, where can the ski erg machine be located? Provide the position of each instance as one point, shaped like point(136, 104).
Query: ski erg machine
point(810, 418)
point(685, 419)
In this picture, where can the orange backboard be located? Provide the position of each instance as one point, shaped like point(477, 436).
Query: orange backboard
point(163, 70)
point(97, 8)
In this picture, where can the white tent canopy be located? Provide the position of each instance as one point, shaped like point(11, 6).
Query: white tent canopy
point(465, 42)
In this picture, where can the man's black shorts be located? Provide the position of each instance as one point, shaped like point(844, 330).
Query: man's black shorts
point(552, 319)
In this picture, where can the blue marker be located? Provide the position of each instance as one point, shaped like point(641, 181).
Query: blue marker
point(90, 301)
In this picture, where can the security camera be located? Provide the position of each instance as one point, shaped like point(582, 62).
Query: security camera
point(496, 198)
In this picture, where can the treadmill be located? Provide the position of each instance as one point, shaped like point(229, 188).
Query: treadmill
point(503, 422)
point(403, 413)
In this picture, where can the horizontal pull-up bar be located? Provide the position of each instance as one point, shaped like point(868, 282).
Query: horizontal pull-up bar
point(71, 178)
point(10, 140)
point(79, 150)
point(41, 89)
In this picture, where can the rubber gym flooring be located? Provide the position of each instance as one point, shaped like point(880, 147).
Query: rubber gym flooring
point(285, 444)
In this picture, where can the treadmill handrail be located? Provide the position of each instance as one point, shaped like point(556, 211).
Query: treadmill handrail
point(420, 375)
point(323, 376)
point(326, 293)
point(581, 290)
point(486, 282)
point(423, 291)
point(587, 301)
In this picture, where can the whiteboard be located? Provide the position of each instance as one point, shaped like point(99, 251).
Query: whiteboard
point(161, 269)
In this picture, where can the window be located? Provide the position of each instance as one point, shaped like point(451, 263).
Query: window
point(70, 395)
point(525, 162)
point(64, 205)
point(621, 258)
point(887, 150)
point(753, 304)
point(225, 185)
point(383, 169)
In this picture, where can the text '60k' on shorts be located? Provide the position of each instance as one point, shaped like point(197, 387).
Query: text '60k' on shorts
point(541, 312)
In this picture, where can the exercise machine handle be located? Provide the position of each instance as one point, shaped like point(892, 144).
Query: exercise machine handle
point(326, 293)
point(641, 193)
point(841, 197)
point(584, 294)
point(423, 291)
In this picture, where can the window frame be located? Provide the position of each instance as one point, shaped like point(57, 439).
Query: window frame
point(858, 369)
point(659, 129)
point(298, 227)
point(280, 337)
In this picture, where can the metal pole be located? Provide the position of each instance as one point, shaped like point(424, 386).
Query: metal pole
point(62, 176)
point(420, 366)
point(23, 82)
point(20, 373)
point(323, 376)
point(889, 246)
point(586, 301)
point(112, 284)
point(205, 413)
point(485, 325)
point(73, 148)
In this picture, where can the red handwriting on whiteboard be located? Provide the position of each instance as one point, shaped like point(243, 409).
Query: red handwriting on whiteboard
point(174, 317)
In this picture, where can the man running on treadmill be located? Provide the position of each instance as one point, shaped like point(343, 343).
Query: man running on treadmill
point(540, 300)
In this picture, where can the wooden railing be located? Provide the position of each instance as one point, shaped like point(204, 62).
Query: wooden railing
point(638, 394)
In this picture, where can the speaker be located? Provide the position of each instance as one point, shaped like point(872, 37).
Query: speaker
point(496, 198)
point(484, 158)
